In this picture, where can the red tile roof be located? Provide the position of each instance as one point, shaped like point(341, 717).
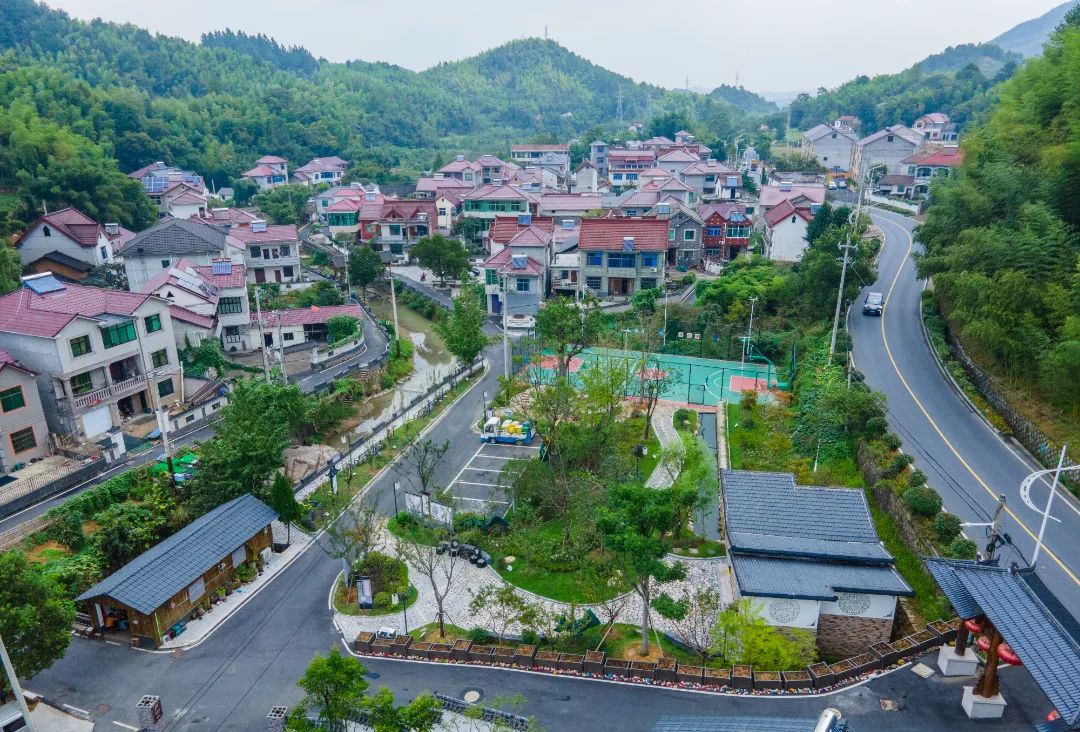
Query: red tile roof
point(273, 233)
point(72, 223)
point(306, 316)
point(499, 192)
point(271, 159)
point(723, 210)
point(6, 359)
point(407, 210)
point(539, 148)
point(506, 228)
point(569, 202)
point(259, 171)
point(772, 195)
point(945, 157)
point(784, 209)
point(26, 312)
point(504, 260)
point(190, 316)
point(650, 235)
point(458, 166)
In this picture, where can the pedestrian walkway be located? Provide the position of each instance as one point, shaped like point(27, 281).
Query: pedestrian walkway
point(663, 424)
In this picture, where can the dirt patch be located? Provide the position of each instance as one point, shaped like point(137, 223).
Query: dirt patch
point(40, 553)
point(632, 652)
point(89, 527)
point(304, 460)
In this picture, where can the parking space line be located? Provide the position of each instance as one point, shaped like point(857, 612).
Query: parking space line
point(483, 470)
point(466, 482)
point(481, 500)
point(125, 726)
point(496, 457)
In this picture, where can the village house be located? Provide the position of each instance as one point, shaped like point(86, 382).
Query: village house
point(463, 170)
point(586, 178)
point(675, 159)
point(402, 223)
point(553, 157)
point(24, 434)
point(447, 209)
point(568, 205)
point(884, 150)
point(489, 201)
point(810, 558)
point(598, 151)
point(321, 202)
point(684, 232)
point(494, 170)
point(936, 127)
point(158, 178)
point(327, 170)
point(101, 356)
point(726, 231)
point(299, 328)
point(271, 251)
point(515, 275)
point(151, 597)
point(227, 218)
point(354, 213)
point(832, 147)
point(431, 187)
point(930, 162)
point(625, 166)
point(67, 243)
point(710, 179)
point(269, 172)
point(895, 184)
point(164, 244)
point(621, 255)
point(802, 197)
point(785, 232)
point(182, 201)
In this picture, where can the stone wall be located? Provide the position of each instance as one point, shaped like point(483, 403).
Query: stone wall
point(842, 636)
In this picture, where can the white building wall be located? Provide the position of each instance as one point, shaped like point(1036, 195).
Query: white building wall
point(835, 150)
point(35, 245)
point(787, 240)
point(861, 605)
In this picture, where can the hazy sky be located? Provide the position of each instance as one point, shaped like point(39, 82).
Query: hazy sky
point(773, 46)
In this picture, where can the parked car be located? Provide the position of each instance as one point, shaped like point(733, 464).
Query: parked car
point(832, 185)
point(873, 304)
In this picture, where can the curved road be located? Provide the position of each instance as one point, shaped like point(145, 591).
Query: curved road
point(963, 457)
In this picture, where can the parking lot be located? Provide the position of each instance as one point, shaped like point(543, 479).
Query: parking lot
point(477, 488)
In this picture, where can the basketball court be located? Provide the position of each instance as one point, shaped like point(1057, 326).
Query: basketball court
point(690, 380)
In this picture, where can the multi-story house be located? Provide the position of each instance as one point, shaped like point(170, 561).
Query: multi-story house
point(726, 230)
point(833, 147)
point(463, 170)
point(586, 178)
point(598, 157)
point(158, 178)
point(652, 193)
point(656, 144)
point(66, 242)
point(625, 166)
point(321, 202)
point(183, 201)
point(101, 355)
point(206, 302)
point(269, 172)
point(448, 209)
point(684, 232)
point(227, 218)
point(24, 434)
point(884, 150)
point(429, 188)
point(321, 170)
point(675, 159)
point(711, 179)
point(682, 137)
point(620, 255)
point(493, 170)
point(489, 201)
point(801, 197)
point(785, 232)
point(564, 206)
point(935, 127)
point(557, 157)
point(271, 252)
point(516, 275)
point(929, 163)
point(402, 223)
point(161, 246)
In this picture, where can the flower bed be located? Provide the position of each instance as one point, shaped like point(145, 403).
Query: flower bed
point(617, 667)
point(643, 669)
point(524, 654)
point(689, 674)
point(766, 681)
point(546, 659)
point(842, 671)
point(460, 649)
point(571, 662)
point(594, 662)
point(797, 681)
point(821, 675)
point(442, 651)
point(742, 677)
point(720, 677)
point(665, 668)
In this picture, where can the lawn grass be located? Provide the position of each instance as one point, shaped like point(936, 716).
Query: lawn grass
point(634, 429)
point(343, 606)
point(705, 547)
point(735, 451)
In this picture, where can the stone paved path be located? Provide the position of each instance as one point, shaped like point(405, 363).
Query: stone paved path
point(662, 423)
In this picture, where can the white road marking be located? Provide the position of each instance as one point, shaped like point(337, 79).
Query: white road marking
point(125, 726)
point(481, 500)
point(466, 482)
point(76, 709)
point(496, 457)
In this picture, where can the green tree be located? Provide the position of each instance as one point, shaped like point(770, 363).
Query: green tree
point(10, 270)
point(335, 692)
point(35, 616)
point(244, 189)
point(341, 327)
point(419, 715)
point(284, 204)
point(741, 636)
point(283, 501)
point(125, 531)
point(634, 524)
point(568, 328)
point(444, 257)
point(462, 330)
point(365, 268)
point(469, 229)
point(668, 123)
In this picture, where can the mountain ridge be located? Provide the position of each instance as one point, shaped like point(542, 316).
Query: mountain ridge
point(1027, 38)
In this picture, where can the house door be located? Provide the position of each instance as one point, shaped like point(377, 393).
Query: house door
point(496, 305)
point(260, 276)
point(277, 275)
point(268, 340)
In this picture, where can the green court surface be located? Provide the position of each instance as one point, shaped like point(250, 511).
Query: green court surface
point(690, 380)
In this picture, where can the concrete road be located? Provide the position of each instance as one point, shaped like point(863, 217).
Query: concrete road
point(964, 458)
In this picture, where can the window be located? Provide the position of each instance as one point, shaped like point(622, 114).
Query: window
point(80, 346)
point(159, 358)
point(671, 235)
point(490, 278)
point(255, 252)
point(116, 335)
point(523, 284)
point(287, 271)
point(714, 231)
point(648, 283)
point(648, 259)
point(152, 323)
point(165, 388)
point(594, 259)
point(46, 231)
point(395, 229)
point(442, 211)
point(230, 305)
point(288, 336)
point(12, 399)
point(23, 440)
point(81, 383)
point(164, 264)
point(239, 556)
point(890, 138)
point(196, 590)
point(232, 334)
point(285, 250)
point(594, 283)
point(620, 259)
point(103, 252)
point(826, 158)
point(689, 235)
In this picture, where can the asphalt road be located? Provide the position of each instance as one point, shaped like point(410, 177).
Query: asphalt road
point(963, 457)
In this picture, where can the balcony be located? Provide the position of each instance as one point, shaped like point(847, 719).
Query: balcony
point(118, 389)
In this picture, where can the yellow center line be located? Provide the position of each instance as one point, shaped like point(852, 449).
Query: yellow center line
point(944, 439)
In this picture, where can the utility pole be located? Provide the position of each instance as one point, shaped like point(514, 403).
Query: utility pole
point(506, 335)
point(262, 337)
point(749, 335)
point(281, 355)
point(15, 688)
point(393, 305)
point(992, 540)
point(846, 247)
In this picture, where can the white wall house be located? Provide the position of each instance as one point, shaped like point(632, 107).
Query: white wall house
point(832, 147)
point(160, 247)
point(885, 150)
point(785, 232)
point(69, 232)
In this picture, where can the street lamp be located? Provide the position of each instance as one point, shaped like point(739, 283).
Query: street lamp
point(397, 486)
point(1025, 494)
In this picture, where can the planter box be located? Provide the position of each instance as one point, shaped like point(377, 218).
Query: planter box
point(821, 675)
point(797, 680)
point(689, 674)
point(643, 669)
point(903, 648)
point(503, 654)
point(482, 654)
point(665, 669)
point(523, 656)
point(885, 652)
point(419, 650)
point(460, 651)
point(767, 681)
point(381, 645)
point(717, 677)
point(441, 651)
point(945, 630)
point(362, 642)
point(546, 659)
point(571, 662)
point(842, 670)
point(400, 645)
point(866, 663)
point(924, 640)
point(742, 677)
point(594, 662)
point(617, 667)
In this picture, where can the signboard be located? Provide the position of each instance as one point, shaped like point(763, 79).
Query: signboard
point(422, 505)
point(363, 593)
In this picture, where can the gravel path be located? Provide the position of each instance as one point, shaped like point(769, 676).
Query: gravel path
point(664, 427)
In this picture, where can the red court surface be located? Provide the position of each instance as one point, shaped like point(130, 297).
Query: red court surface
point(552, 364)
point(748, 383)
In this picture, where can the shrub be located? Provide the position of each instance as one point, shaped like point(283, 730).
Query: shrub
point(530, 637)
point(479, 636)
point(689, 278)
point(381, 600)
point(962, 548)
point(897, 466)
point(923, 501)
point(687, 416)
point(917, 478)
point(891, 440)
point(67, 530)
point(876, 427)
point(946, 527)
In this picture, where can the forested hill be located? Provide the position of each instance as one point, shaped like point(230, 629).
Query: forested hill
point(744, 99)
point(1027, 38)
point(955, 81)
